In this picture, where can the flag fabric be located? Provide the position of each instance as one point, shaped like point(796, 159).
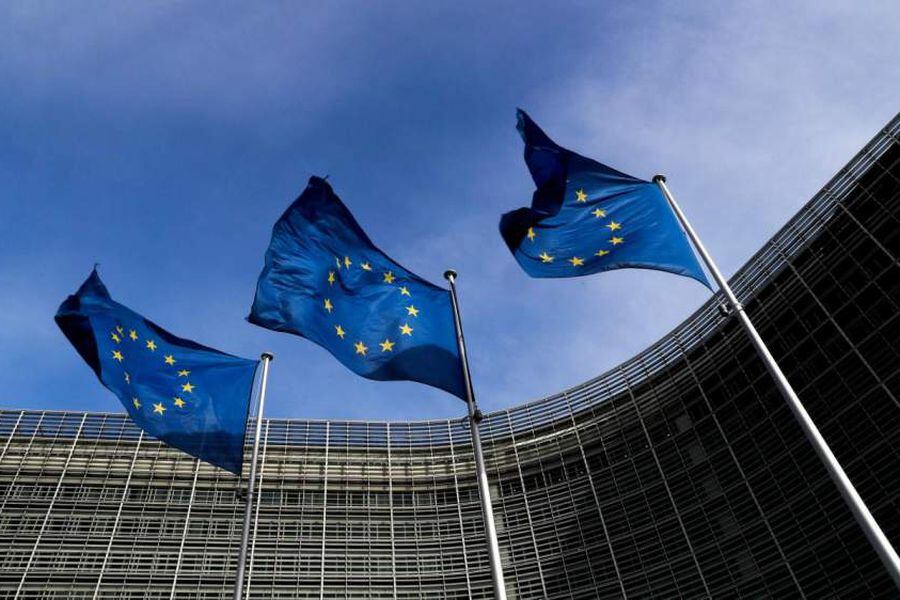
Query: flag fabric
point(324, 280)
point(586, 218)
point(191, 397)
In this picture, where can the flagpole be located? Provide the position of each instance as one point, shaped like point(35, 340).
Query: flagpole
point(860, 511)
point(475, 417)
point(266, 357)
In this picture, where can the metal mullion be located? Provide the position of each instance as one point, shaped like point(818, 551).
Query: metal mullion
point(858, 223)
point(283, 463)
point(365, 484)
point(187, 520)
point(744, 479)
point(792, 349)
point(262, 473)
point(556, 534)
point(665, 483)
point(885, 169)
point(301, 497)
point(574, 504)
point(537, 553)
point(12, 434)
point(892, 133)
point(324, 510)
point(854, 347)
point(868, 233)
point(160, 541)
point(50, 506)
point(415, 503)
point(830, 316)
point(347, 506)
point(462, 529)
point(554, 526)
point(115, 527)
point(15, 478)
point(438, 512)
point(390, 472)
point(590, 478)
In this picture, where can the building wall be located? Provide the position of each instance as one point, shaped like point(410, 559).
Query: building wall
point(680, 473)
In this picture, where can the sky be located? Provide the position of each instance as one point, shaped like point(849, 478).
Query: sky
point(163, 139)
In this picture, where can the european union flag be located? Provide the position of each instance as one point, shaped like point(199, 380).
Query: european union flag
point(191, 397)
point(586, 218)
point(324, 280)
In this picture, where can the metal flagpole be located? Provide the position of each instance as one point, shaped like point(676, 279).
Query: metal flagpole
point(870, 527)
point(266, 357)
point(474, 419)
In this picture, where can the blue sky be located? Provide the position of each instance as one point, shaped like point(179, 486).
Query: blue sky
point(163, 139)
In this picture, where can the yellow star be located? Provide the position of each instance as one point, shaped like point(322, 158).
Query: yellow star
point(328, 305)
point(616, 241)
point(151, 344)
point(136, 402)
point(599, 212)
point(120, 329)
point(412, 310)
point(337, 261)
point(159, 408)
point(347, 262)
point(404, 291)
point(601, 253)
point(340, 331)
point(546, 258)
point(133, 335)
point(531, 234)
point(361, 348)
point(178, 402)
point(183, 373)
point(580, 196)
point(117, 355)
point(389, 277)
point(115, 337)
point(330, 277)
point(405, 329)
point(387, 345)
point(366, 266)
point(127, 378)
point(576, 262)
point(188, 387)
point(170, 360)
point(613, 225)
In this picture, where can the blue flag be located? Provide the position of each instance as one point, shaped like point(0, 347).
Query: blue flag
point(586, 218)
point(324, 280)
point(191, 397)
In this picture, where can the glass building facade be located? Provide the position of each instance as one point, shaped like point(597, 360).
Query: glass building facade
point(680, 473)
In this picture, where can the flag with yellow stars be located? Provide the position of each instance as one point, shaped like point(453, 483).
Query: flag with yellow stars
point(324, 280)
point(191, 397)
point(586, 218)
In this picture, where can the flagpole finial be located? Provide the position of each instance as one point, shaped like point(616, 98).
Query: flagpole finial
point(450, 275)
point(659, 177)
point(267, 356)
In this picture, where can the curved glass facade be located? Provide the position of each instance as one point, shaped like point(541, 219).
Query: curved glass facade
point(680, 473)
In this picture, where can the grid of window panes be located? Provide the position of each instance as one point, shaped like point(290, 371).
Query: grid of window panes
point(680, 473)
